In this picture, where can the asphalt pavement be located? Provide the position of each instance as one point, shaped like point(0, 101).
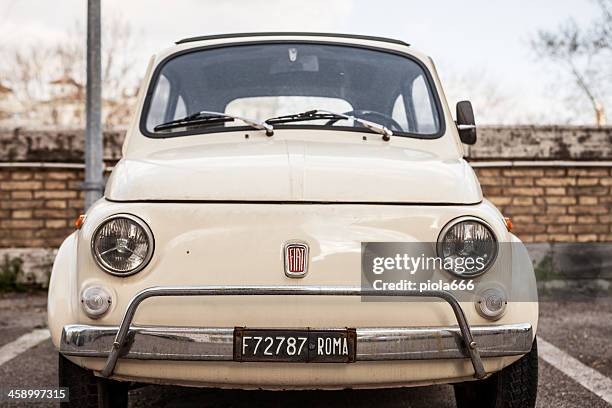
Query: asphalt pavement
point(580, 329)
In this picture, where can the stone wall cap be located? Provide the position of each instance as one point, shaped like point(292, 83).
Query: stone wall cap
point(495, 142)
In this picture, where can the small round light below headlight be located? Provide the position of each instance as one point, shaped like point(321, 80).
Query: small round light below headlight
point(491, 303)
point(122, 245)
point(95, 301)
point(467, 247)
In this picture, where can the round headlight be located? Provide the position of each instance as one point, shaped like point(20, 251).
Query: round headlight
point(122, 245)
point(467, 247)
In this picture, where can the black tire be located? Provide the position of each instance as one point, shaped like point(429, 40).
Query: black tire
point(88, 391)
point(515, 386)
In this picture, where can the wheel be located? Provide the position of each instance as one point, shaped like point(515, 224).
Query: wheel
point(515, 386)
point(88, 391)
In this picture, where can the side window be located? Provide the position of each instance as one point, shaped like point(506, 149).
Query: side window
point(399, 112)
point(423, 110)
point(159, 102)
point(181, 109)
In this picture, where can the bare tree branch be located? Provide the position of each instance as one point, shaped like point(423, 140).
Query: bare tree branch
point(48, 81)
point(580, 54)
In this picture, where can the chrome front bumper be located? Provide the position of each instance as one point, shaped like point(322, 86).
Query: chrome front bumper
point(373, 344)
point(216, 344)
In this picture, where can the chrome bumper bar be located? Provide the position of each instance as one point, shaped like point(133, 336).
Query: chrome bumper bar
point(166, 343)
point(373, 344)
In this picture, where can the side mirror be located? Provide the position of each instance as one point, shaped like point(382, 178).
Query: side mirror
point(466, 123)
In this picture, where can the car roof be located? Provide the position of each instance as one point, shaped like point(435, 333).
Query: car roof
point(278, 34)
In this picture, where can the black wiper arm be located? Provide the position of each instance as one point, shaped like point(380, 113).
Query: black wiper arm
point(324, 114)
point(304, 116)
point(207, 118)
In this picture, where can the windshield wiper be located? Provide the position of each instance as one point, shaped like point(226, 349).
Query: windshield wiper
point(304, 116)
point(325, 114)
point(204, 118)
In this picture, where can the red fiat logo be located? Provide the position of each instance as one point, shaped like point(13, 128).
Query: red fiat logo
point(296, 259)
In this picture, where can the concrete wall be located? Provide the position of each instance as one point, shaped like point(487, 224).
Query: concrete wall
point(584, 143)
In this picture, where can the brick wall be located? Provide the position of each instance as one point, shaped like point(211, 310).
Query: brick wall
point(38, 206)
point(563, 204)
point(555, 182)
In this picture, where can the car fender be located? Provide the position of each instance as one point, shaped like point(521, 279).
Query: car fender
point(61, 301)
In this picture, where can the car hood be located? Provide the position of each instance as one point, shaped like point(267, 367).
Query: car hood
point(294, 170)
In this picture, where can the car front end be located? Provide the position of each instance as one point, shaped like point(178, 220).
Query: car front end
point(219, 236)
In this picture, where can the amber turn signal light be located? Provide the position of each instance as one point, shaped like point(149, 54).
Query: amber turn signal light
point(508, 222)
point(78, 223)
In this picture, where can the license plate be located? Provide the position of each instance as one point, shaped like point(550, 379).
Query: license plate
point(301, 345)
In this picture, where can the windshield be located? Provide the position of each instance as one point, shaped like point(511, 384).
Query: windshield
point(265, 81)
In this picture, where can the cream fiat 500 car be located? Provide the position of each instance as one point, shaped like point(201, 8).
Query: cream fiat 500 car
point(227, 249)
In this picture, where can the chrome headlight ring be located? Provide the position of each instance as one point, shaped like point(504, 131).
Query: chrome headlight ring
point(138, 230)
point(466, 220)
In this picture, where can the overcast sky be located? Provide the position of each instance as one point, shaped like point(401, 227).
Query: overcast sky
point(482, 40)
